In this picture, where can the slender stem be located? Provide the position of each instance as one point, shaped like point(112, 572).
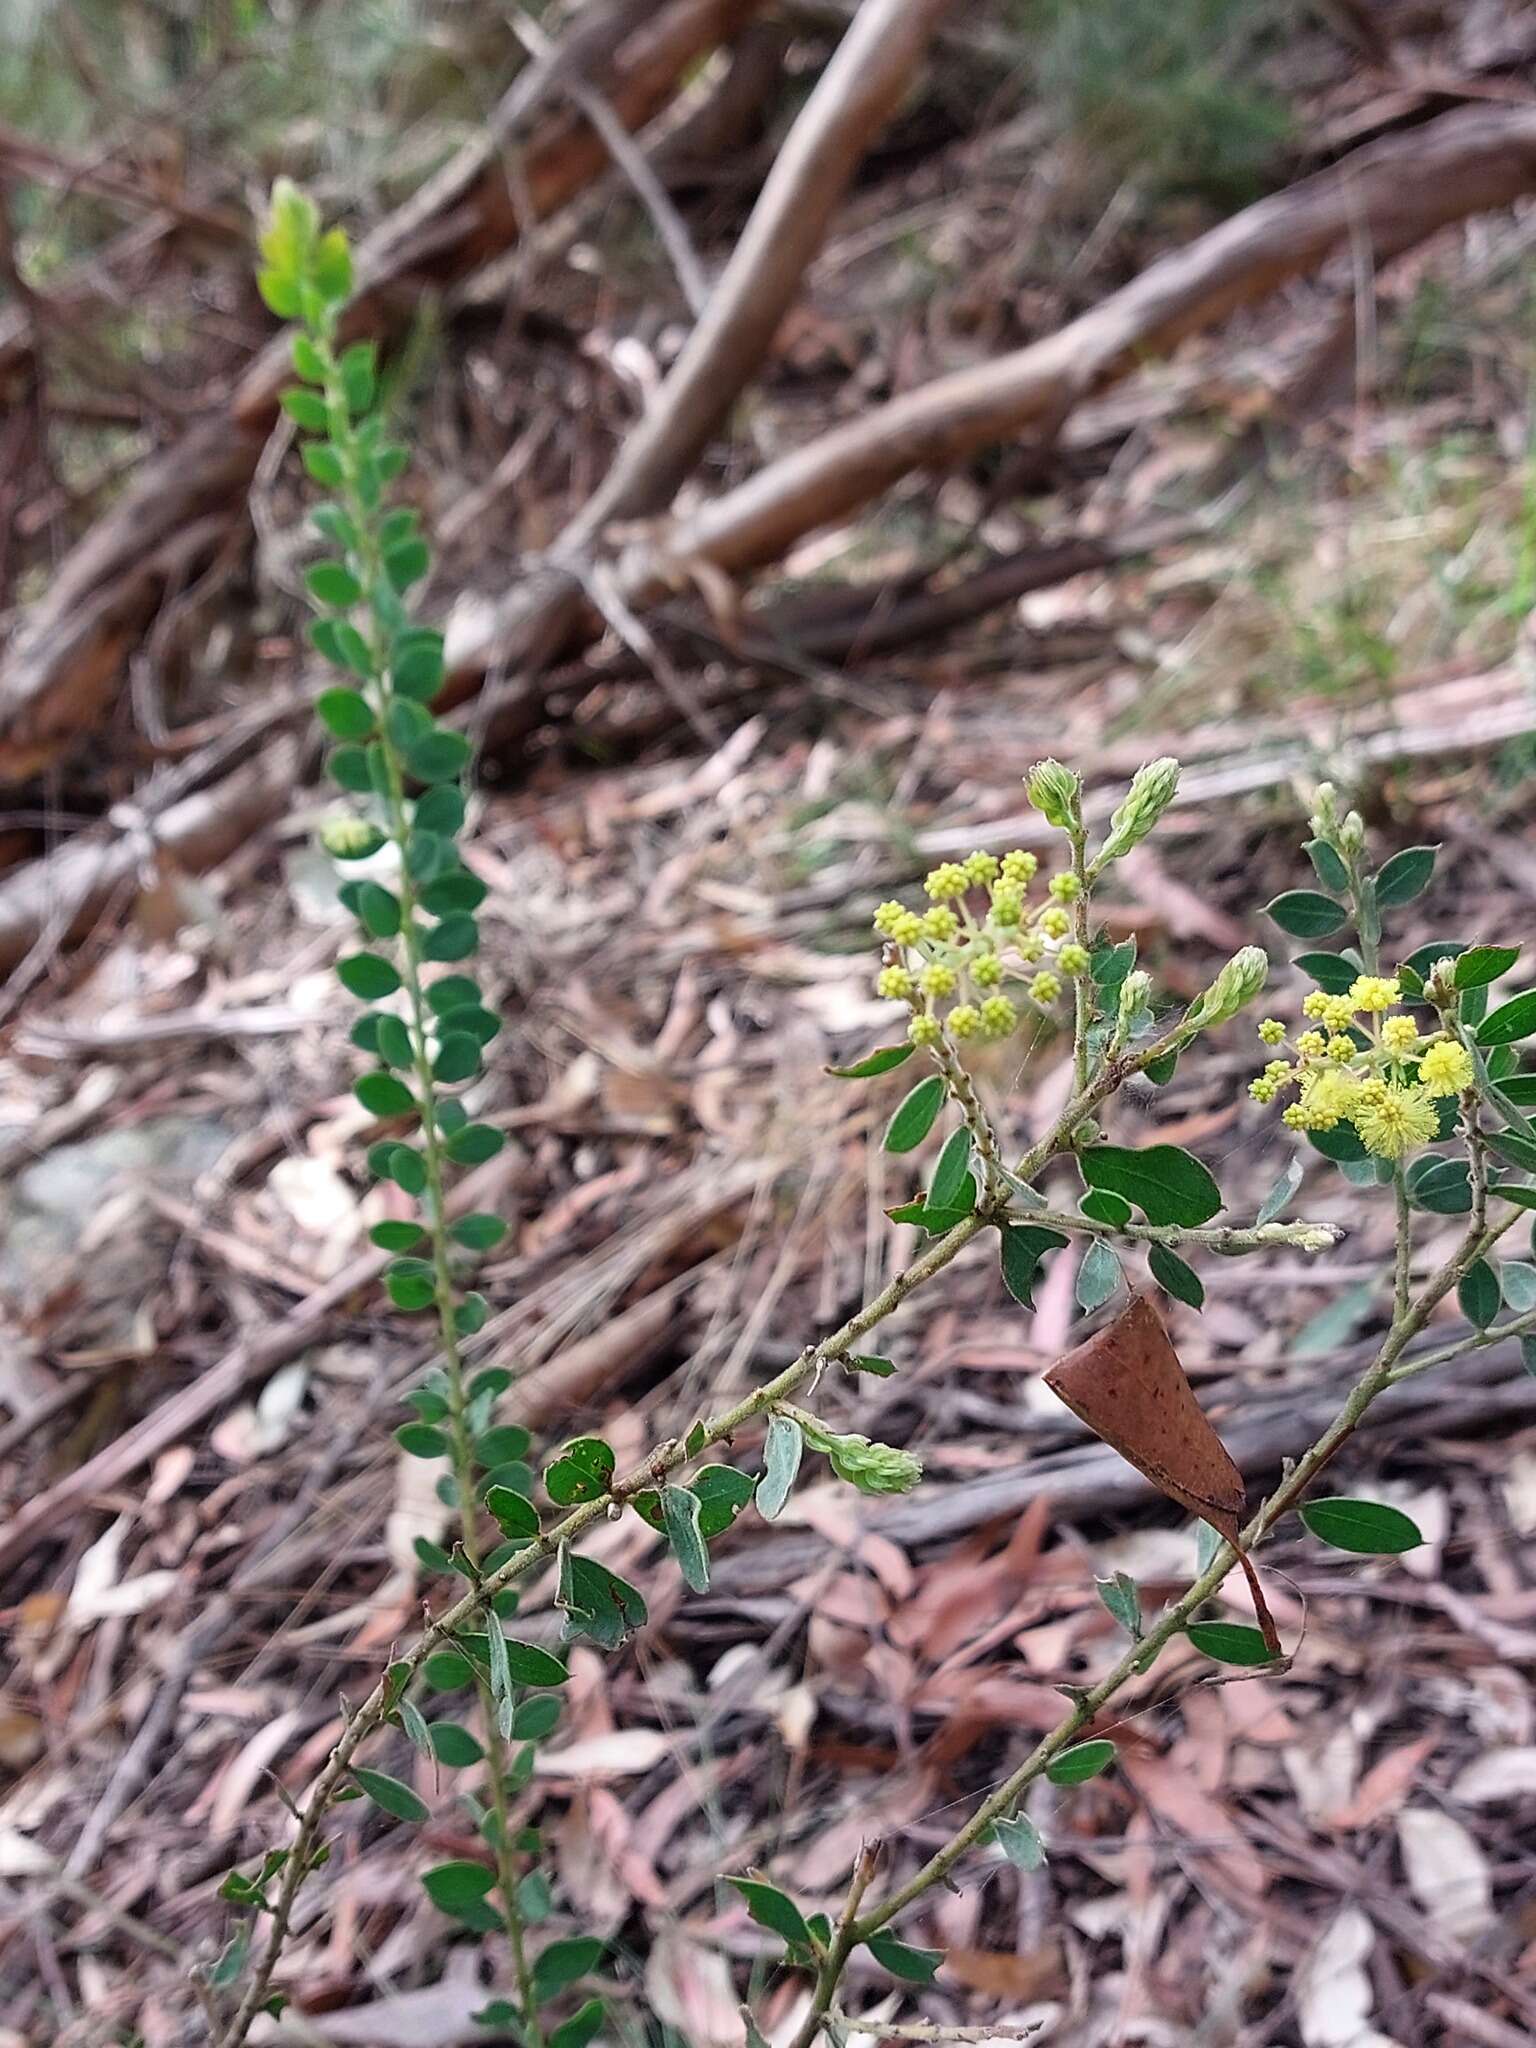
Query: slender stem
point(665, 1458)
point(1402, 1264)
point(963, 1091)
point(1082, 986)
point(1382, 1372)
point(1228, 1239)
point(434, 1196)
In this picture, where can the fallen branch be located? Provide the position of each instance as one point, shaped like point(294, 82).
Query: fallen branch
point(65, 661)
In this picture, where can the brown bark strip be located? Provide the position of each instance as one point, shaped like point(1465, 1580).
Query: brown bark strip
point(64, 663)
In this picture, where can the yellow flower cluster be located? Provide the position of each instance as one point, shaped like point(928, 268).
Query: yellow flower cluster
point(1366, 1063)
point(949, 950)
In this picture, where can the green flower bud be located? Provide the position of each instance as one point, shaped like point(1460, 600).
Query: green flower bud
point(1238, 983)
point(1352, 833)
point(350, 838)
point(1152, 790)
point(1324, 822)
point(1134, 992)
point(1056, 792)
point(871, 1467)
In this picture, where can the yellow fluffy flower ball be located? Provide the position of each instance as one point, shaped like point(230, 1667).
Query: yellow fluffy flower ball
point(1446, 1069)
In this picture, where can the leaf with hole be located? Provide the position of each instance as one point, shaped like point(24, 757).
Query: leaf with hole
point(582, 1471)
point(596, 1602)
point(1368, 1527)
point(915, 1115)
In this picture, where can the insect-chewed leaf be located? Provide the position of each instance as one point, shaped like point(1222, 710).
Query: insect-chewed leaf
point(783, 1449)
point(1023, 1247)
point(595, 1601)
point(1101, 1206)
point(880, 1061)
point(1084, 1760)
point(1368, 1527)
point(390, 1794)
point(914, 1116)
point(1230, 1642)
point(1166, 1183)
point(515, 1513)
point(1280, 1194)
point(912, 1965)
point(772, 1909)
point(582, 1472)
